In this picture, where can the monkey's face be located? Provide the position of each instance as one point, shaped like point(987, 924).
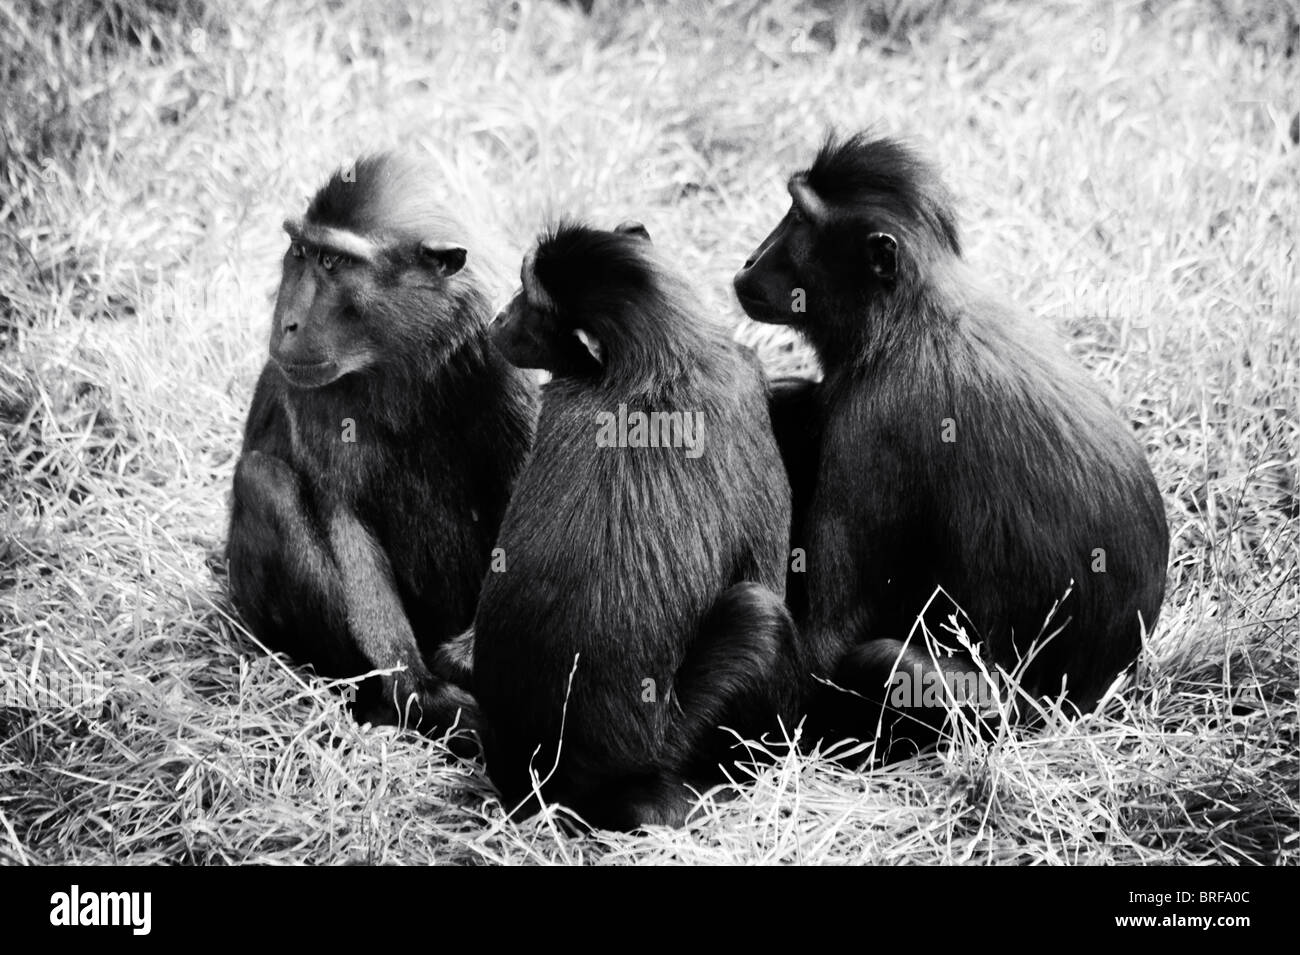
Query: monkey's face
point(517, 334)
point(772, 286)
point(807, 272)
point(532, 336)
point(315, 336)
point(338, 314)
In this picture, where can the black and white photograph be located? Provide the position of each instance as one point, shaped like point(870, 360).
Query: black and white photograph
point(650, 433)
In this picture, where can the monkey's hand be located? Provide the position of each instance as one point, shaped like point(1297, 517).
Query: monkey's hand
point(454, 660)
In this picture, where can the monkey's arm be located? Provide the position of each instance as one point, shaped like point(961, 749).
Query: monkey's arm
point(379, 626)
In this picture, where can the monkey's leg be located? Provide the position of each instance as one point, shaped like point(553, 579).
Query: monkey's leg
point(741, 673)
point(906, 693)
point(378, 623)
point(282, 578)
point(738, 673)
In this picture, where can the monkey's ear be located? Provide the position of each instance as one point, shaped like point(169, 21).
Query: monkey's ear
point(882, 255)
point(590, 343)
point(632, 227)
point(447, 258)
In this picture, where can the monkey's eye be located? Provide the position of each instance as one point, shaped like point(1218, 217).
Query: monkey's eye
point(329, 261)
point(295, 249)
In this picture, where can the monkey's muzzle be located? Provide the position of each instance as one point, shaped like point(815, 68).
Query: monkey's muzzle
point(309, 375)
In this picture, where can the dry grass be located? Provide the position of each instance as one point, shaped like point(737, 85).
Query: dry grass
point(1130, 173)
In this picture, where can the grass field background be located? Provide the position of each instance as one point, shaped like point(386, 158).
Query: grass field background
point(1128, 171)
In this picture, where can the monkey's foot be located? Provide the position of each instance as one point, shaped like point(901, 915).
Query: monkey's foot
point(433, 707)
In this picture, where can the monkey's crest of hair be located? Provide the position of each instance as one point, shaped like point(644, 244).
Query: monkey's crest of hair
point(618, 287)
point(581, 266)
point(391, 201)
point(385, 194)
point(887, 180)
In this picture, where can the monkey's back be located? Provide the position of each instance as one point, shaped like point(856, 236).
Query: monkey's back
point(613, 557)
point(992, 466)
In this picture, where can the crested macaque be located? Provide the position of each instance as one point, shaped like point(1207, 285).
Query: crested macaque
point(640, 611)
point(952, 444)
point(385, 434)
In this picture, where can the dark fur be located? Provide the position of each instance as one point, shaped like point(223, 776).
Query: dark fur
point(884, 180)
point(795, 412)
point(1006, 517)
point(352, 556)
point(628, 564)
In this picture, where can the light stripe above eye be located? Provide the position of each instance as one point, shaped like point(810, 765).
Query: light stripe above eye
point(533, 291)
point(329, 239)
point(809, 203)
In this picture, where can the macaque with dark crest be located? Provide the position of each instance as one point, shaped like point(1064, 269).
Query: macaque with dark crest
point(953, 457)
point(640, 609)
point(384, 438)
